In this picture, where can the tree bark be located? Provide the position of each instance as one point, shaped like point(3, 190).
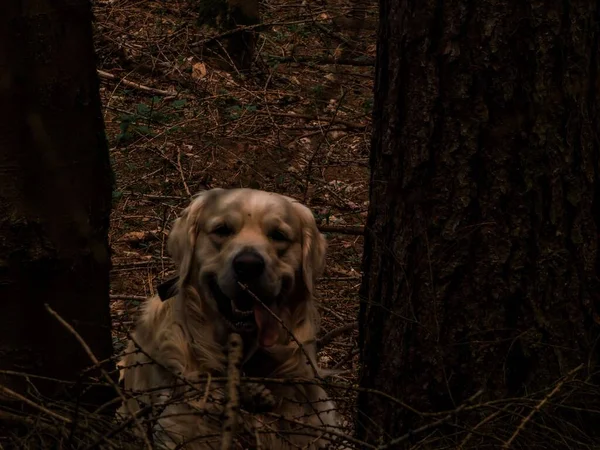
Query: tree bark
point(55, 192)
point(481, 251)
point(229, 15)
point(241, 45)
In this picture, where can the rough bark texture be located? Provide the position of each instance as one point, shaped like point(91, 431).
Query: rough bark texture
point(481, 252)
point(240, 46)
point(229, 15)
point(55, 191)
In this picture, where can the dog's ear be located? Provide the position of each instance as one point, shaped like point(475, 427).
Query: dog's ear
point(182, 238)
point(314, 246)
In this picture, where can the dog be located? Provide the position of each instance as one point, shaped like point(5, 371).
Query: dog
point(247, 264)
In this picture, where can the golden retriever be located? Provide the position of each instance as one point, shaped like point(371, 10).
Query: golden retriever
point(226, 243)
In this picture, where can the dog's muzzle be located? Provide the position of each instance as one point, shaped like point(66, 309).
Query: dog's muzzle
point(245, 308)
point(250, 299)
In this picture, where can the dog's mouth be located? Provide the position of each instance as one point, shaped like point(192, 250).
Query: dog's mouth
point(246, 315)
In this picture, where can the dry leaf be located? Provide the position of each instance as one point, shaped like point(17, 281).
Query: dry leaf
point(338, 52)
point(199, 71)
point(140, 236)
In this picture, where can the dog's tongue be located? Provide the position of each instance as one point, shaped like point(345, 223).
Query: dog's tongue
point(268, 326)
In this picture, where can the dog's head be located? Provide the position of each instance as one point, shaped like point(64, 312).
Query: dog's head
point(230, 241)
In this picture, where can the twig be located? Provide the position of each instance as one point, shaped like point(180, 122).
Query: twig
point(233, 391)
point(294, 338)
point(155, 196)
point(394, 442)
point(357, 126)
point(242, 28)
point(326, 30)
point(345, 359)
point(330, 431)
point(328, 337)
point(94, 360)
point(463, 444)
point(330, 311)
point(156, 260)
point(16, 395)
point(25, 420)
point(180, 169)
point(539, 406)
point(356, 231)
point(311, 160)
point(127, 297)
point(324, 60)
point(141, 87)
point(335, 279)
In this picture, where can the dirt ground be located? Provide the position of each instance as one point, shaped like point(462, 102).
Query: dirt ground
point(179, 120)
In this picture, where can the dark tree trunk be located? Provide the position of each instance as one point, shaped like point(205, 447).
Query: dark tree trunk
point(481, 251)
point(235, 47)
point(55, 191)
point(241, 45)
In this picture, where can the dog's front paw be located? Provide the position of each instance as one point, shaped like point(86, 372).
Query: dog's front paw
point(256, 398)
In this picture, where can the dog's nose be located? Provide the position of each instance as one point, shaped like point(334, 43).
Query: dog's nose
point(248, 265)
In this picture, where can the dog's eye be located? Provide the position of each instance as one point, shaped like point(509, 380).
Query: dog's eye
point(278, 235)
point(222, 231)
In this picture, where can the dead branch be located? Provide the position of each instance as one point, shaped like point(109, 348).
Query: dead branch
point(323, 60)
point(328, 337)
point(10, 393)
point(136, 237)
point(357, 126)
point(97, 363)
point(291, 334)
point(127, 297)
point(242, 28)
point(232, 406)
point(141, 87)
point(320, 144)
point(351, 230)
point(320, 430)
point(394, 442)
point(540, 405)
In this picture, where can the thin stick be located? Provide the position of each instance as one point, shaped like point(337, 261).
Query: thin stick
point(463, 444)
point(356, 231)
point(394, 442)
point(232, 406)
point(16, 395)
point(127, 297)
point(330, 311)
point(328, 337)
point(324, 60)
point(539, 406)
point(358, 126)
point(310, 361)
point(94, 360)
point(141, 87)
point(329, 431)
point(180, 170)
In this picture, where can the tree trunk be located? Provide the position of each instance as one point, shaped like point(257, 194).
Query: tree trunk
point(55, 192)
point(229, 15)
point(481, 252)
point(241, 45)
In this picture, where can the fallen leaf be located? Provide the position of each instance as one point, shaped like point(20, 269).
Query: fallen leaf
point(140, 236)
point(199, 71)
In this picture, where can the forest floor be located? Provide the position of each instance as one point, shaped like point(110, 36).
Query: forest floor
point(179, 121)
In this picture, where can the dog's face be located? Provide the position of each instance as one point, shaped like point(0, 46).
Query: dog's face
point(227, 240)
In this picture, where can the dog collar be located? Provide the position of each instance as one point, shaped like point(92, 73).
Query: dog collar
point(167, 289)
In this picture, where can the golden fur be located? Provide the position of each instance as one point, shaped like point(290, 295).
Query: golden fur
point(185, 338)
